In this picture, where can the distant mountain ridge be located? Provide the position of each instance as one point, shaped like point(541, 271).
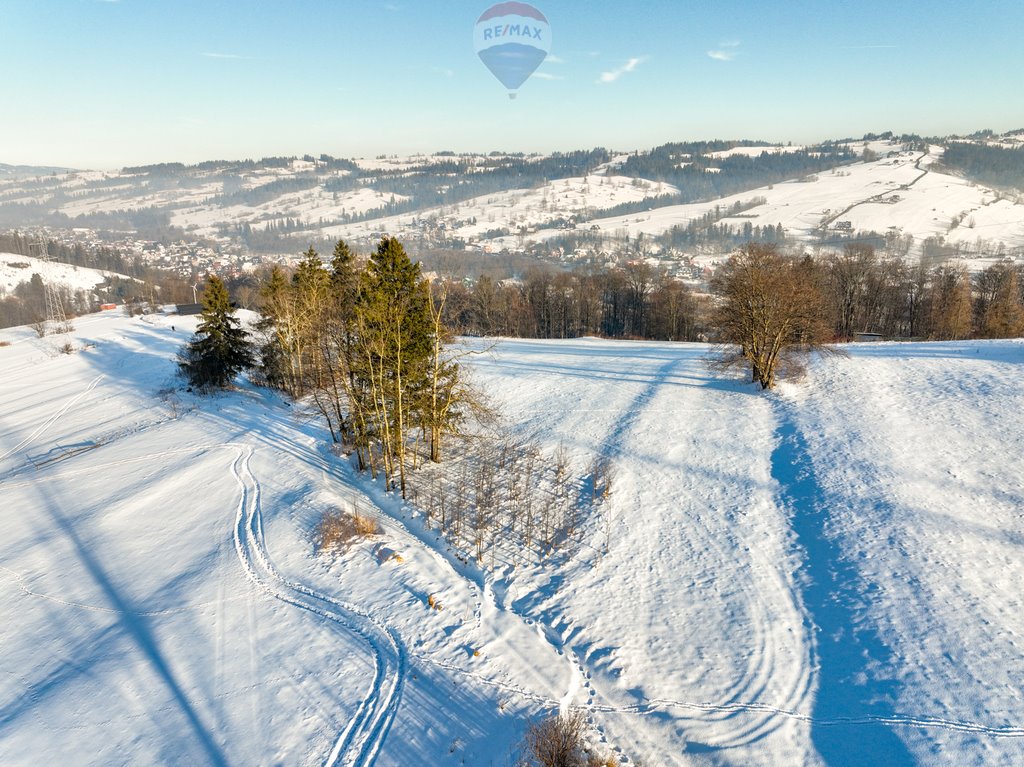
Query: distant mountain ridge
point(27, 171)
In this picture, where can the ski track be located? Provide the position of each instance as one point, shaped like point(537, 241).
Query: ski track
point(360, 742)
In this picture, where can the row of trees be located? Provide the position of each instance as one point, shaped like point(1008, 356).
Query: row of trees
point(853, 291)
point(635, 301)
point(868, 294)
point(368, 344)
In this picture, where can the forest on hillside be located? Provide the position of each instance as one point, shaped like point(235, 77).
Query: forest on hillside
point(995, 165)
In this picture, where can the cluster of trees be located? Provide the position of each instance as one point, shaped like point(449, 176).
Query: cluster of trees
point(774, 308)
point(870, 294)
point(367, 345)
point(634, 301)
point(686, 166)
point(140, 282)
point(26, 304)
point(995, 165)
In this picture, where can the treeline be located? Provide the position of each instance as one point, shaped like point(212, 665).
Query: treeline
point(995, 165)
point(26, 305)
point(861, 292)
point(325, 161)
point(634, 301)
point(868, 294)
point(686, 167)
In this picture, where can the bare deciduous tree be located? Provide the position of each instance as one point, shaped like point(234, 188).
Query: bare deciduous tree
point(771, 311)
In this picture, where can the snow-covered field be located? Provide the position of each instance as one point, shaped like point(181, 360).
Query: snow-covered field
point(309, 207)
point(828, 575)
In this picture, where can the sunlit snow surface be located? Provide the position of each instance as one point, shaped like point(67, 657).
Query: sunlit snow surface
point(827, 575)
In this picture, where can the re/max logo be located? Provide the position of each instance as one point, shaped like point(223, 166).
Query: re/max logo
point(512, 30)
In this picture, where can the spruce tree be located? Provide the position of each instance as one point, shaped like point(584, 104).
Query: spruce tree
point(220, 349)
point(395, 338)
point(275, 302)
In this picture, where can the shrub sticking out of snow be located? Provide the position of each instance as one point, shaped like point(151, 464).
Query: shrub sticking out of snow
point(338, 529)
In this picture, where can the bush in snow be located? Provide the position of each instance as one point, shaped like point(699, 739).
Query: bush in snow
point(337, 529)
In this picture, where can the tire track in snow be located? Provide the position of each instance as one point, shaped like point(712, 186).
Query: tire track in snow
point(360, 742)
point(651, 706)
point(898, 720)
point(53, 418)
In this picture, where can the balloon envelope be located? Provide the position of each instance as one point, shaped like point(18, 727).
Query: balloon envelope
point(512, 39)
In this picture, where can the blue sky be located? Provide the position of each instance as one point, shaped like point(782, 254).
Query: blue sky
point(105, 83)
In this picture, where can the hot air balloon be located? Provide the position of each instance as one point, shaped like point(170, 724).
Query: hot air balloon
point(512, 39)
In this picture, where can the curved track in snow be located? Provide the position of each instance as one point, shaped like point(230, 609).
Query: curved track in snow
point(360, 742)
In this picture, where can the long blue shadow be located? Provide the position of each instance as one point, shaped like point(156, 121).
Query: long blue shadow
point(136, 628)
point(850, 654)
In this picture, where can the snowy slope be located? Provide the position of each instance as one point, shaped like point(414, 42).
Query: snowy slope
point(824, 576)
point(16, 269)
point(902, 193)
point(519, 208)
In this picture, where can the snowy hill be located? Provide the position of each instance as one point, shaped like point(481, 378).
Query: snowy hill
point(903, 195)
point(825, 576)
point(27, 171)
point(16, 269)
point(494, 202)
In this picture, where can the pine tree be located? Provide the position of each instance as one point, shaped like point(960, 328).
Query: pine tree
point(221, 348)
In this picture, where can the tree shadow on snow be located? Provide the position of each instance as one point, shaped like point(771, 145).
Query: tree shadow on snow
point(130, 625)
point(851, 657)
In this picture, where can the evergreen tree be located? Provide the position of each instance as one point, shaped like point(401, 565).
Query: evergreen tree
point(220, 349)
point(395, 331)
point(275, 302)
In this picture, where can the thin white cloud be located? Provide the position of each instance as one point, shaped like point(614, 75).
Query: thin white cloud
point(553, 59)
point(235, 56)
point(614, 74)
point(726, 50)
point(546, 76)
point(444, 72)
point(866, 47)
